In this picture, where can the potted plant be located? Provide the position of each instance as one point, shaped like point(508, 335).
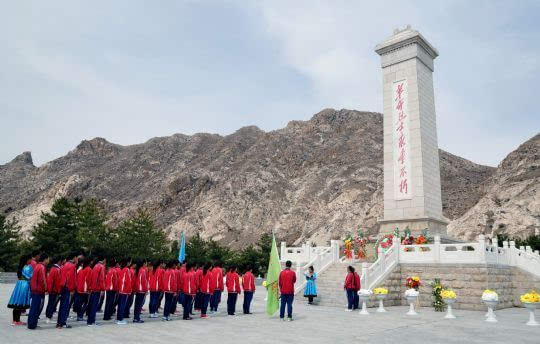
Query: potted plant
point(491, 299)
point(380, 294)
point(531, 300)
point(449, 297)
point(413, 283)
point(364, 295)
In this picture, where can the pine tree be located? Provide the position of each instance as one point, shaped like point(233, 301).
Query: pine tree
point(10, 240)
point(57, 231)
point(138, 237)
point(196, 250)
point(93, 233)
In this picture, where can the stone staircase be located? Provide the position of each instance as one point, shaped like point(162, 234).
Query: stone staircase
point(330, 285)
point(8, 277)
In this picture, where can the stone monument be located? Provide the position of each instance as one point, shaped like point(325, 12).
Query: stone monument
point(412, 181)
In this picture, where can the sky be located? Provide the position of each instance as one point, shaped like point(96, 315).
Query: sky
point(132, 70)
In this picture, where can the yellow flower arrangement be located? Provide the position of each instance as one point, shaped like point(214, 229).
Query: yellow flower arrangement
point(264, 283)
point(379, 291)
point(530, 297)
point(416, 278)
point(448, 294)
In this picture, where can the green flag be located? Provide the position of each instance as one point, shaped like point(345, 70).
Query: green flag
point(272, 280)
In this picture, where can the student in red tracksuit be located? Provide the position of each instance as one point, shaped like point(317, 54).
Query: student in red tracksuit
point(38, 288)
point(352, 286)
point(198, 297)
point(176, 269)
point(141, 288)
point(68, 274)
point(54, 285)
point(111, 288)
point(233, 289)
point(83, 279)
point(287, 279)
point(124, 290)
point(131, 298)
point(169, 288)
point(248, 284)
point(189, 288)
point(218, 279)
point(96, 287)
point(180, 281)
point(154, 279)
point(207, 288)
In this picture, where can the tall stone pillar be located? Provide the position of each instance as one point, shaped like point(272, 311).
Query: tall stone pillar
point(412, 182)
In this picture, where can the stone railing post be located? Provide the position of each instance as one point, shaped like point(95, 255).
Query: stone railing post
point(365, 274)
point(528, 249)
point(512, 256)
point(505, 244)
point(495, 241)
point(537, 252)
point(334, 244)
point(308, 248)
point(396, 242)
point(283, 249)
point(482, 248)
point(437, 249)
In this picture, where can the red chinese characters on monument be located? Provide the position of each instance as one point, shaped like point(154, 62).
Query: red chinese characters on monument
point(402, 183)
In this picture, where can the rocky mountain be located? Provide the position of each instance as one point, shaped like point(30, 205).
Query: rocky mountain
point(511, 203)
point(312, 179)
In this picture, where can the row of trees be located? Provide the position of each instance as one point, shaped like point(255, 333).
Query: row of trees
point(84, 225)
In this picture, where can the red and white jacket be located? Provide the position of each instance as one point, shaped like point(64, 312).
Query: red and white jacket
point(218, 278)
point(124, 281)
point(233, 283)
point(142, 282)
point(111, 280)
point(189, 283)
point(54, 280)
point(154, 279)
point(208, 285)
point(83, 280)
point(248, 282)
point(178, 276)
point(97, 279)
point(169, 281)
point(38, 281)
point(68, 273)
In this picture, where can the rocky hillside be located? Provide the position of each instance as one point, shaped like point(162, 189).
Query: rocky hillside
point(511, 203)
point(312, 179)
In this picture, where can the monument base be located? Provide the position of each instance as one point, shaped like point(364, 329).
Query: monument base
point(416, 226)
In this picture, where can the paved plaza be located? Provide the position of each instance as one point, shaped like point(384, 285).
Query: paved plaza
point(312, 324)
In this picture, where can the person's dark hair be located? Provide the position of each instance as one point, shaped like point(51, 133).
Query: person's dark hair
point(207, 267)
point(43, 256)
point(288, 263)
point(86, 262)
point(58, 259)
point(311, 268)
point(35, 253)
point(111, 262)
point(351, 269)
point(232, 268)
point(99, 258)
point(248, 268)
point(72, 255)
point(123, 262)
point(189, 266)
point(22, 263)
point(138, 265)
point(156, 264)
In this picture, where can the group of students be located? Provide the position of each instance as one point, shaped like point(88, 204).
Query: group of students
point(85, 283)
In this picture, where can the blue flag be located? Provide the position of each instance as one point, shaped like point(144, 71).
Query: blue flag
point(182, 252)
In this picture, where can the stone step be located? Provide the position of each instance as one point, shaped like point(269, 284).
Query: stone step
point(8, 277)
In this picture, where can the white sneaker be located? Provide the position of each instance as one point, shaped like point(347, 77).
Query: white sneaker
point(289, 319)
point(348, 310)
point(121, 322)
point(48, 321)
